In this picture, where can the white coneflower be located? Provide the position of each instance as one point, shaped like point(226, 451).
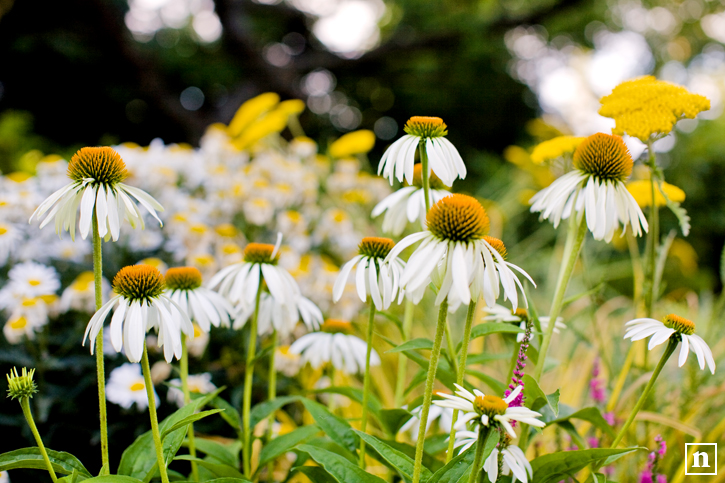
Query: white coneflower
point(335, 345)
point(408, 203)
point(499, 313)
point(204, 306)
point(126, 386)
point(443, 415)
point(140, 306)
point(9, 238)
point(443, 158)
point(97, 174)
point(197, 383)
point(490, 410)
point(280, 317)
point(672, 325)
point(456, 253)
point(595, 189)
point(33, 279)
point(514, 460)
point(376, 275)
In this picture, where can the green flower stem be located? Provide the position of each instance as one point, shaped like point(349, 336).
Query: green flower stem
point(652, 237)
point(461, 372)
point(402, 360)
point(25, 404)
point(184, 373)
point(100, 371)
point(478, 459)
point(429, 382)
point(425, 176)
point(248, 376)
point(671, 346)
point(152, 414)
point(271, 394)
point(366, 383)
point(574, 242)
point(451, 349)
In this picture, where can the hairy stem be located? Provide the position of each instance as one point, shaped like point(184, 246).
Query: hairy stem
point(248, 376)
point(152, 415)
point(25, 404)
point(184, 373)
point(478, 459)
point(100, 371)
point(366, 383)
point(425, 176)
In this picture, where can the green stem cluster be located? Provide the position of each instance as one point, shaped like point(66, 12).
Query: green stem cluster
point(402, 360)
point(248, 376)
point(366, 383)
point(152, 414)
point(184, 373)
point(100, 371)
point(429, 382)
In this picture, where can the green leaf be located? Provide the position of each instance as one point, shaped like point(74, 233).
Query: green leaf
point(497, 386)
point(315, 474)
point(488, 328)
point(219, 469)
point(399, 461)
point(555, 466)
point(230, 414)
point(282, 444)
point(221, 480)
point(535, 397)
point(74, 477)
point(188, 420)
point(263, 410)
point(113, 479)
point(590, 414)
point(682, 217)
point(420, 343)
point(393, 419)
point(429, 461)
point(456, 469)
point(224, 453)
point(335, 427)
point(31, 458)
point(338, 467)
point(486, 357)
point(355, 394)
point(489, 445)
point(327, 444)
point(443, 374)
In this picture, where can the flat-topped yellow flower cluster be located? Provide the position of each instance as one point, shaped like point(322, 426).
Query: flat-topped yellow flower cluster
point(646, 107)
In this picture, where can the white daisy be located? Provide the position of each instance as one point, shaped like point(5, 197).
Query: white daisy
point(376, 275)
point(280, 317)
point(458, 257)
point(287, 363)
point(595, 189)
point(514, 461)
point(489, 410)
point(10, 236)
point(443, 415)
point(499, 313)
point(408, 203)
point(4, 477)
point(443, 158)
point(126, 386)
point(204, 306)
point(18, 327)
point(197, 383)
point(33, 279)
point(672, 326)
point(140, 306)
point(98, 191)
point(334, 345)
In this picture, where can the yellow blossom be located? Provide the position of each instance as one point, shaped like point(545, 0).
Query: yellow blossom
point(250, 111)
point(641, 191)
point(685, 254)
point(351, 143)
point(646, 107)
point(555, 148)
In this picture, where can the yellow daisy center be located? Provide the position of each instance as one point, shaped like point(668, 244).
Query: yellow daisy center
point(604, 156)
point(426, 127)
point(375, 247)
point(260, 253)
point(3, 230)
point(18, 323)
point(497, 245)
point(103, 165)
point(83, 281)
point(458, 218)
point(197, 331)
point(139, 283)
point(137, 386)
point(680, 324)
point(435, 181)
point(334, 326)
point(183, 278)
point(490, 405)
point(226, 230)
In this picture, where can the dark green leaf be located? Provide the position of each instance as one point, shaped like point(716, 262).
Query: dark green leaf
point(335, 427)
point(224, 453)
point(490, 444)
point(482, 330)
point(555, 466)
point(354, 394)
point(338, 467)
point(63, 463)
point(399, 461)
point(185, 422)
point(113, 479)
point(219, 469)
point(220, 480)
point(590, 414)
point(282, 444)
point(316, 474)
point(535, 397)
point(428, 461)
point(415, 344)
point(230, 414)
point(263, 410)
point(456, 469)
point(393, 419)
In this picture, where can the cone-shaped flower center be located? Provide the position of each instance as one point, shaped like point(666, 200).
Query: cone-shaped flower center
point(260, 253)
point(458, 218)
point(435, 181)
point(680, 324)
point(375, 247)
point(20, 386)
point(183, 278)
point(139, 283)
point(490, 405)
point(335, 326)
point(497, 245)
point(604, 156)
point(103, 164)
point(426, 127)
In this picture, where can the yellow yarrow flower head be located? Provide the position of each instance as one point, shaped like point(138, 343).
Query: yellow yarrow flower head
point(641, 191)
point(356, 142)
point(648, 108)
point(555, 148)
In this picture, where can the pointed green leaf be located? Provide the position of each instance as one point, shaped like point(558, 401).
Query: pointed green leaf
point(393, 419)
point(556, 466)
point(224, 453)
point(188, 420)
point(263, 410)
point(399, 461)
point(536, 398)
point(335, 427)
point(219, 469)
point(230, 414)
point(414, 344)
point(282, 444)
point(590, 414)
point(316, 474)
point(338, 467)
point(31, 458)
point(456, 468)
point(482, 330)
point(113, 479)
